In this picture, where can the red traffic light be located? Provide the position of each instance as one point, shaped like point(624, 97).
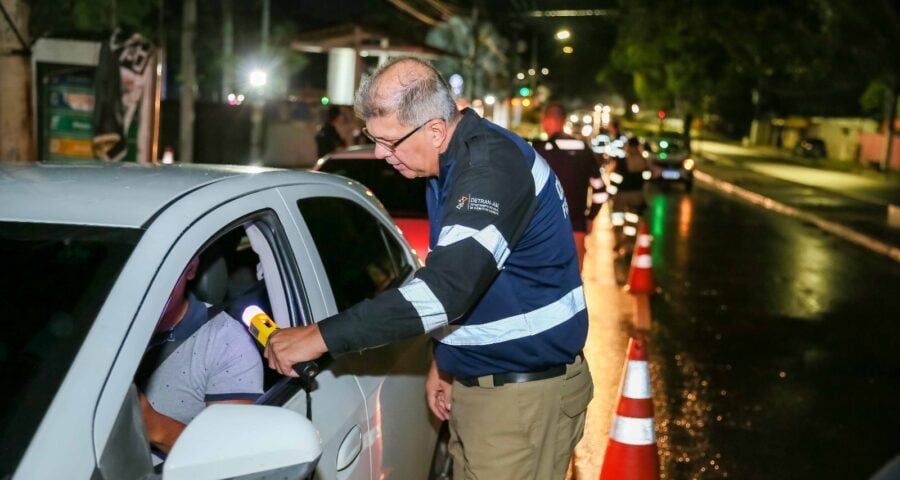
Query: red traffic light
point(661, 114)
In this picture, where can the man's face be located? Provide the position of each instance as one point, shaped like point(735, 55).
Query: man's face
point(415, 156)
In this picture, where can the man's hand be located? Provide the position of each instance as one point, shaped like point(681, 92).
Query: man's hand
point(438, 387)
point(289, 346)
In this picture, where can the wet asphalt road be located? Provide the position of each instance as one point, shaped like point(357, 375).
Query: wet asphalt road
point(774, 348)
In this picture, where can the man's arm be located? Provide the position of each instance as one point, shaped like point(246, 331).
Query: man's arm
point(488, 208)
point(162, 430)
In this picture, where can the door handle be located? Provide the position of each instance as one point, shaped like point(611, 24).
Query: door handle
point(350, 448)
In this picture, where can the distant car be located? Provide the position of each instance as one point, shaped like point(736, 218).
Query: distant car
point(91, 254)
point(810, 148)
point(403, 198)
point(670, 161)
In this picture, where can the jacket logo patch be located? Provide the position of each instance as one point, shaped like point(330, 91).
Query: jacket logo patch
point(468, 202)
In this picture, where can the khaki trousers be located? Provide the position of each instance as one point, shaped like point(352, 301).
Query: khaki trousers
point(520, 430)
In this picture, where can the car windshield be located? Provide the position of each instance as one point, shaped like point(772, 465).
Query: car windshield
point(402, 197)
point(55, 279)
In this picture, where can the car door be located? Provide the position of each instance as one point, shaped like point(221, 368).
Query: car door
point(360, 253)
point(169, 244)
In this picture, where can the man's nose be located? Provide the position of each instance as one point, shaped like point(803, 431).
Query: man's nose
point(382, 152)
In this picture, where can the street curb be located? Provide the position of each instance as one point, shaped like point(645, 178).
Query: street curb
point(828, 226)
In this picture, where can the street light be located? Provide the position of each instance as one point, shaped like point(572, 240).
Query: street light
point(567, 49)
point(563, 35)
point(258, 78)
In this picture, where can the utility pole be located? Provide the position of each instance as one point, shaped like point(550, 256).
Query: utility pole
point(892, 101)
point(472, 70)
point(15, 83)
point(188, 79)
point(227, 50)
point(259, 101)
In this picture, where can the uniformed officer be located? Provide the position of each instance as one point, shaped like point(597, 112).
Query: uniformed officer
point(500, 291)
point(577, 170)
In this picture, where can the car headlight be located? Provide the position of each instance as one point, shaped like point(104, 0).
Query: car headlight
point(688, 163)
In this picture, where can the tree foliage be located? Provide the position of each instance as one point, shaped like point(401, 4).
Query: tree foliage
point(79, 18)
point(791, 56)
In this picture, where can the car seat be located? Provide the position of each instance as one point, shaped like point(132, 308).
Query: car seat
point(211, 282)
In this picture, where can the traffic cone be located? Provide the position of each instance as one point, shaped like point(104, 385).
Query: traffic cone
point(640, 278)
point(631, 452)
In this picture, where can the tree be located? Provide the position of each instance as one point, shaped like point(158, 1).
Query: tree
point(773, 57)
point(15, 83)
point(489, 70)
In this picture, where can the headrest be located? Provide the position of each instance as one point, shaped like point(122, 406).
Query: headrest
point(212, 282)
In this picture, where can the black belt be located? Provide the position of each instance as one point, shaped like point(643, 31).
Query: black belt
point(518, 377)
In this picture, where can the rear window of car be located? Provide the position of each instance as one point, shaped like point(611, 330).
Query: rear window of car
point(402, 197)
point(666, 145)
point(54, 281)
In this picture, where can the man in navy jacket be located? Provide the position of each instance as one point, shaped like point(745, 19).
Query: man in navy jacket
point(500, 293)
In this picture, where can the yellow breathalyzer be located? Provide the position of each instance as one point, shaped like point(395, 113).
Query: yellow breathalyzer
point(259, 324)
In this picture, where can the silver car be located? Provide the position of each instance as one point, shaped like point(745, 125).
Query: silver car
point(91, 255)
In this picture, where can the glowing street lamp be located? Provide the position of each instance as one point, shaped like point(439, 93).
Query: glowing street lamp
point(258, 78)
point(563, 35)
point(567, 49)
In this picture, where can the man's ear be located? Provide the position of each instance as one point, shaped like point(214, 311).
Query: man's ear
point(190, 271)
point(437, 132)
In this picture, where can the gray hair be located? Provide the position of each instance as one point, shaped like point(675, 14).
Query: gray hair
point(424, 97)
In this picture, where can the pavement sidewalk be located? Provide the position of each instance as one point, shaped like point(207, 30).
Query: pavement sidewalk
point(854, 205)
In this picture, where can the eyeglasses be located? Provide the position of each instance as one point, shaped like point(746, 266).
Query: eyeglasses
point(392, 146)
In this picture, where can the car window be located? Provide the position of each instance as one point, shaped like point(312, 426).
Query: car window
point(402, 197)
point(203, 351)
point(359, 254)
point(666, 145)
point(55, 279)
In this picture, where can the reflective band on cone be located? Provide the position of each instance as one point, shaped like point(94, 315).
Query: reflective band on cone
point(637, 380)
point(640, 278)
point(643, 240)
point(633, 431)
point(643, 261)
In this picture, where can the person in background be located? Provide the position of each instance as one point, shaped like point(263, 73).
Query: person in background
point(196, 357)
point(628, 203)
point(500, 292)
point(578, 172)
point(329, 139)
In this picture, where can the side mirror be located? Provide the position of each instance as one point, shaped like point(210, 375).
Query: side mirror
point(227, 441)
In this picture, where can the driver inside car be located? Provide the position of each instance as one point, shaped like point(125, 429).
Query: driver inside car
point(198, 355)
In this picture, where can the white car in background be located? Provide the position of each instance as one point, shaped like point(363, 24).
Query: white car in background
point(91, 254)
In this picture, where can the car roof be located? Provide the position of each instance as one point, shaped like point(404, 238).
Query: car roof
point(118, 194)
point(354, 152)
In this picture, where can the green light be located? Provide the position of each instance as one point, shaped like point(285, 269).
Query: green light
point(658, 220)
point(663, 156)
point(663, 144)
point(325, 101)
point(524, 92)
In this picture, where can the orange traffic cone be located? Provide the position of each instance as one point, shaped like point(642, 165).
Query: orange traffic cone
point(640, 278)
point(631, 452)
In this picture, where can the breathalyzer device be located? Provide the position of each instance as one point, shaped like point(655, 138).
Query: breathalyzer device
point(261, 326)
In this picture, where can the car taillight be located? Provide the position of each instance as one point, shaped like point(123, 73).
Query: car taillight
point(688, 163)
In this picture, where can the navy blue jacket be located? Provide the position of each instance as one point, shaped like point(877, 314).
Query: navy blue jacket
point(501, 290)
